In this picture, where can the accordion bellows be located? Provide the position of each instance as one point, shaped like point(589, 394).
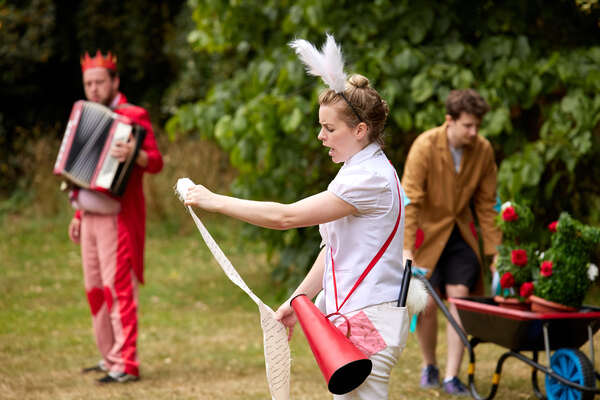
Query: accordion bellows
point(84, 159)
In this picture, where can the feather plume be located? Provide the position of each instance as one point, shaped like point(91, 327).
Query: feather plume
point(309, 55)
point(417, 296)
point(327, 63)
point(334, 77)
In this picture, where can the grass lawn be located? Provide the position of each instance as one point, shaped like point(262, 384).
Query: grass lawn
point(199, 335)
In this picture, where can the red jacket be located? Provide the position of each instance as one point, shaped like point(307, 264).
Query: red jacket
point(132, 218)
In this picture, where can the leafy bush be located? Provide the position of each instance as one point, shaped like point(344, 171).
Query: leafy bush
point(518, 254)
point(536, 66)
point(562, 273)
point(569, 273)
point(41, 43)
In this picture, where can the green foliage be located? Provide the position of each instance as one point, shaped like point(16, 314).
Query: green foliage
point(24, 46)
point(521, 274)
point(41, 42)
point(572, 246)
point(537, 67)
point(516, 223)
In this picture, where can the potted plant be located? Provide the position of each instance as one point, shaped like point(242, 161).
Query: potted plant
point(517, 256)
point(566, 272)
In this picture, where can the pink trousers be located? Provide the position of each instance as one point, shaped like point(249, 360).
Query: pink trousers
point(112, 292)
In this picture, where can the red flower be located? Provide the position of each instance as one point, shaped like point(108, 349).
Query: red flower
point(552, 226)
point(546, 268)
point(526, 289)
point(519, 257)
point(509, 214)
point(507, 280)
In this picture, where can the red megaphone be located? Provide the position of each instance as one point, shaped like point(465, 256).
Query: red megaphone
point(344, 366)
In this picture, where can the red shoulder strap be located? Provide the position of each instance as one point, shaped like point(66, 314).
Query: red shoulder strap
point(373, 261)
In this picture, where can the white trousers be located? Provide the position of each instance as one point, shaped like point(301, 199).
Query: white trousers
point(376, 386)
point(392, 324)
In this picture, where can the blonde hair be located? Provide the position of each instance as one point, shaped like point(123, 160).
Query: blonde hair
point(366, 102)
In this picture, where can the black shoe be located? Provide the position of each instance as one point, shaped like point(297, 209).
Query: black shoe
point(100, 367)
point(456, 387)
point(121, 377)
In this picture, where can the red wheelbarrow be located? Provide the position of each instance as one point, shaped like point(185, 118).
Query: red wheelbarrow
point(570, 373)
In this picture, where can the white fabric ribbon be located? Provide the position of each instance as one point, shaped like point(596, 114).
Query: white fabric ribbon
point(276, 347)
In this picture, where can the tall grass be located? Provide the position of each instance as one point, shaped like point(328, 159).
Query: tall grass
point(38, 191)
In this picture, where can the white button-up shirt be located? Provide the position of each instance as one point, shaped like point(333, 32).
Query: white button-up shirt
point(367, 181)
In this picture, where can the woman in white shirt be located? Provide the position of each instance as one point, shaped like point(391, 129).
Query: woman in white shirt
point(361, 221)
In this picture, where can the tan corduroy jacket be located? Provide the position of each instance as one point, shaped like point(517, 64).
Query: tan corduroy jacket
point(440, 197)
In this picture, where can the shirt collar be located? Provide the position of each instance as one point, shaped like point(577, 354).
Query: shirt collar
point(367, 152)
point(115, 101)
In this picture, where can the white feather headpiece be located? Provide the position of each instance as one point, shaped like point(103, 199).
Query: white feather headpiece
point(327, 63)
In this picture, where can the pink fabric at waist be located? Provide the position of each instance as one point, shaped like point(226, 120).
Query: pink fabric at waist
point(96, 202)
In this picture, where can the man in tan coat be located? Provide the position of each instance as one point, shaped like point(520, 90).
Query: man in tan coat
point(447, 169)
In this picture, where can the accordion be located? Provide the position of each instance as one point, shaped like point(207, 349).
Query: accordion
point(84, 159)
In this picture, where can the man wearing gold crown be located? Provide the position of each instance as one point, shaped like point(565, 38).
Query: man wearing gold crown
point(111, 231)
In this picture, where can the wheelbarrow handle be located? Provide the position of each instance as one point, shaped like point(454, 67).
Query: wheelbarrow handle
point(463, 338)
point(461, 333)
point(405, 284)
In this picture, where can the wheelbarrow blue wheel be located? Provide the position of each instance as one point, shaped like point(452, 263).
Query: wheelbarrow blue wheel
point(573, 365)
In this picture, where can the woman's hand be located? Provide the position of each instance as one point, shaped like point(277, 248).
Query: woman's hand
point(201, 197)
point(286, 315)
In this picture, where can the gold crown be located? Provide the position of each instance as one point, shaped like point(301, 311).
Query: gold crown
point(109, 62)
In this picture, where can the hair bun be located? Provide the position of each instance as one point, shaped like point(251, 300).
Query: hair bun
point(359, 81)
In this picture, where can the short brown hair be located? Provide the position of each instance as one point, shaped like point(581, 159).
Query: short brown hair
point(367, 103)
point(467, 101)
